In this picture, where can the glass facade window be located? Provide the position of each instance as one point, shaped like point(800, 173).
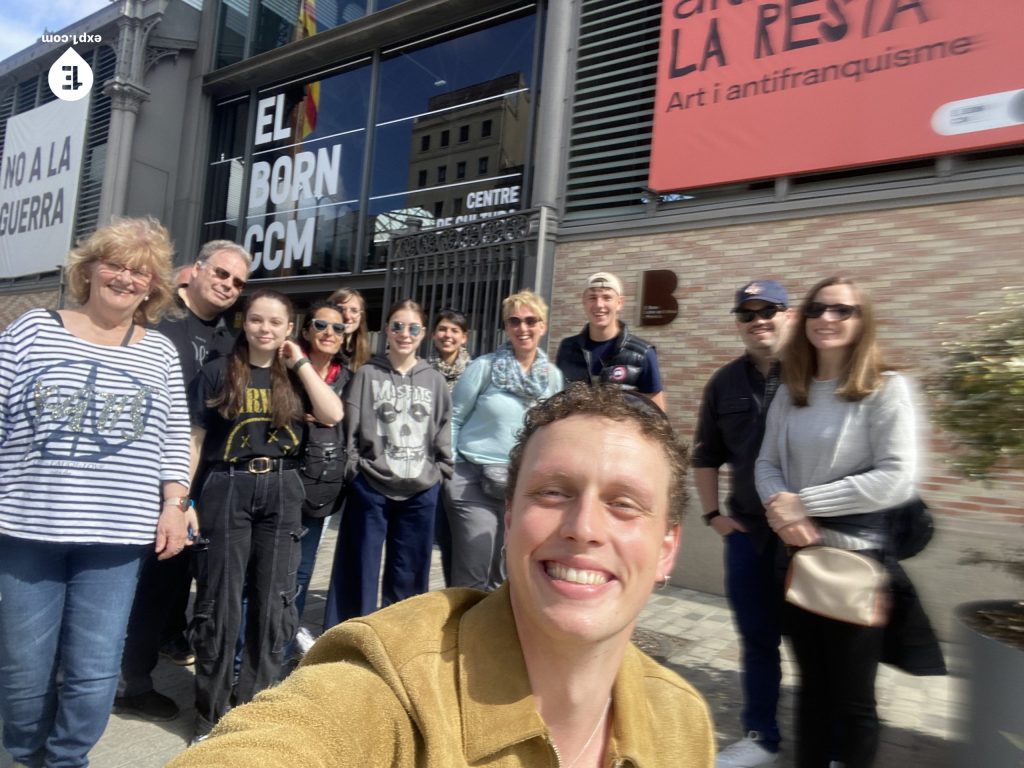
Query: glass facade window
point(297, 190)
point(226, 173)
point(445, 89)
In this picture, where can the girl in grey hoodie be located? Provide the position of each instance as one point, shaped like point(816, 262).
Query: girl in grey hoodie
point(398, 435)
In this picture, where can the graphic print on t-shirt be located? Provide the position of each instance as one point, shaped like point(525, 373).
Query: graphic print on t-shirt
point(86, 410)
point(253, 434)
point(403, 418)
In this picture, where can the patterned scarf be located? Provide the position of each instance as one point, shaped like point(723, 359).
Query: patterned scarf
point(450, 371)
point(508, 375)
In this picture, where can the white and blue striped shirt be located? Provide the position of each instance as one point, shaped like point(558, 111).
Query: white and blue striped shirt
point(88, 433)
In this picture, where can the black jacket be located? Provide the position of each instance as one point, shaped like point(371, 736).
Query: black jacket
point(623, 368)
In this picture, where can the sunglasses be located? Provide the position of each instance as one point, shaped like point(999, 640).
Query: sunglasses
point(841, 311)
point(136, 275)
point(322, 325)
point(222, 274)
point(397, 326)
point(529, 322)
point(765, 313)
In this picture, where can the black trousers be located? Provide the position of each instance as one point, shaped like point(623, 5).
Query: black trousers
point(158, 616)
point(251, 529)
point(837, 717)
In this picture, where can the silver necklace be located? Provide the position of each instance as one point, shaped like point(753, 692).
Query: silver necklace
point(593, 733)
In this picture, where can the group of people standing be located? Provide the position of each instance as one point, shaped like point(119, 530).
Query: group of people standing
point(140, 409)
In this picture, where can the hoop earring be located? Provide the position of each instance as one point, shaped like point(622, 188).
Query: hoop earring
point(663, 582)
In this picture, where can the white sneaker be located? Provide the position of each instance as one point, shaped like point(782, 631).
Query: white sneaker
point(745, 753)
point(304, 640)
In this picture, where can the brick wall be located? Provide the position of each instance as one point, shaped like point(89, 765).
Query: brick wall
point(929, 269)
point(12, 306)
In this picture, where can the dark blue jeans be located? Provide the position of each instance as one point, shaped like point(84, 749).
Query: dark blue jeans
point(62, 607)
point(371, 522)
point(756, 597)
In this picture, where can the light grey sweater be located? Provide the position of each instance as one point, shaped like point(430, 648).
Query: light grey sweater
point(841, 457)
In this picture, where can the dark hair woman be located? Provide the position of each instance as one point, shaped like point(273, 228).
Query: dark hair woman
point(355, 348)
point(398, 439)
point(250, 423)
point(840, 447)
point(322, 335)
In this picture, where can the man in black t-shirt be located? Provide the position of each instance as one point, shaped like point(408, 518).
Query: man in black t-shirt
point(158, 621)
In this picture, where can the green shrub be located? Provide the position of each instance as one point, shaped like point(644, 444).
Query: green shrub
point(979, 391)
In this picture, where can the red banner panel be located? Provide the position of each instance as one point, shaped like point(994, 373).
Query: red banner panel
point(750, 89)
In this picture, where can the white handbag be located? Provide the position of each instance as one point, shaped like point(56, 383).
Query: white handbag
point(839, 584)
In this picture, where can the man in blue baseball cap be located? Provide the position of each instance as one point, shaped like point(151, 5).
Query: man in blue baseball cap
point(729, 431)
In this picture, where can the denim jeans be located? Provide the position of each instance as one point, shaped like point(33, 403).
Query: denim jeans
point(756, 598)
point(63, 612)
point(310, 544)
point(251, 529)
point(372, 521)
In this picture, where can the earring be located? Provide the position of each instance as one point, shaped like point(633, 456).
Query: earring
point(663, 581)
point(146, 297)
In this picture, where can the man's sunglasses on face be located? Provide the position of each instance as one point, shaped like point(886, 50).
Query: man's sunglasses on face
point(765, 313)
point(222, 274)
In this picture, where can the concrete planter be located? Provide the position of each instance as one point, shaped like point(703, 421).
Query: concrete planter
point(995, 679)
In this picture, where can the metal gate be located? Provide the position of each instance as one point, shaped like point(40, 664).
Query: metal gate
point(469, 267)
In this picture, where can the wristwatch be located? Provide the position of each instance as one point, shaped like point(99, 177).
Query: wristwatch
point(181, 502)
point(711, 516)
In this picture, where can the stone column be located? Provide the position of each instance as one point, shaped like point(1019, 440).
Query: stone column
point(127, 92)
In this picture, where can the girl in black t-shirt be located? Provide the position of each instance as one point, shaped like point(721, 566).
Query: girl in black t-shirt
point(249, 420)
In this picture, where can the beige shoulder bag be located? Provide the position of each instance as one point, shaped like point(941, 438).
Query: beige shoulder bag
point(839, 584)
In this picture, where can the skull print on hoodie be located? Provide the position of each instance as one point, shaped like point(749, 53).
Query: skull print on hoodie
point(398, 427)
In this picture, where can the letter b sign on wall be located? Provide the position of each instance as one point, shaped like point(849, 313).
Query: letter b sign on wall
point(657, 304)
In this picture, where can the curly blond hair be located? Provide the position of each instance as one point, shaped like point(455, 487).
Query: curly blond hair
point(138, 243)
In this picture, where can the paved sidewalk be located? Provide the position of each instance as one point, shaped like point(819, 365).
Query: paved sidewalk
point(690, 631)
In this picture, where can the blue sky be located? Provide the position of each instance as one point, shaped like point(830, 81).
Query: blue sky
point(23, 21)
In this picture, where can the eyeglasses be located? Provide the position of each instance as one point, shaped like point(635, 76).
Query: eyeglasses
point(765, 313)
point(397, 326)
point(816, 309)
point(322, 325)
point(529, 322)
point(135, 274)
point(222, 274)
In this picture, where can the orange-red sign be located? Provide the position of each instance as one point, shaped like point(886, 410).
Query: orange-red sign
point(750, 89)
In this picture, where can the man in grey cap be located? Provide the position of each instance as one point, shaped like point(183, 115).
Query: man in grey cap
point(729, 431)
point(605, 350)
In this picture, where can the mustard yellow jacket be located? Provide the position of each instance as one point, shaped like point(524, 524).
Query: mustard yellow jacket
point(439, 681)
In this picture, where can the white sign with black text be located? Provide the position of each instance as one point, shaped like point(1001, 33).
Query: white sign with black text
point(42, 162)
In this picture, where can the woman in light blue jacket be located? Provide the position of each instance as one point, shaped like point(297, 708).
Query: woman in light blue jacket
point(488, 406)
